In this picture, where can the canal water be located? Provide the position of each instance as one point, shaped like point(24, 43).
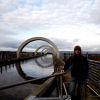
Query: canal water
point(13, 73)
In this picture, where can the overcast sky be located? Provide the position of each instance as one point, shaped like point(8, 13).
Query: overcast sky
point(65, 22)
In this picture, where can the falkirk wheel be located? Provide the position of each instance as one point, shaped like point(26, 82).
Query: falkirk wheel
point(49, 48)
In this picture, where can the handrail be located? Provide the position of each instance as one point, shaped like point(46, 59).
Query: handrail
point(32, 80)
point(93, 90)
point(94, 61)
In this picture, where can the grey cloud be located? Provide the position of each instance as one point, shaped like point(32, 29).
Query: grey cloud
point(10, 44)
point(92, 48)
point(10, 5)
point(7, 41)
point(97, 33)
point(6, 32)
point(95, 17)
point(62, 43)
point(92, 15)
point(6, 5)
point(25, 17)
point(75, 40)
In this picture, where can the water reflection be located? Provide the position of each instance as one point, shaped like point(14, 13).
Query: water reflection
point(26, 70)
point(6, 68)
point(45, 61)
point(32, 69)
point(12, 74)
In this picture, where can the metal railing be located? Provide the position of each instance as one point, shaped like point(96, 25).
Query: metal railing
point(32, 80)
point(94, 72)
point(94, 77)
point(59, 75)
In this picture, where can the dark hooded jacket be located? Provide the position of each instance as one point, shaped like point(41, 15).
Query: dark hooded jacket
point(79, 66)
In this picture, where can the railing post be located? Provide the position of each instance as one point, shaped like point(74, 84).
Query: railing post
point(61, 87)
point(58, 66)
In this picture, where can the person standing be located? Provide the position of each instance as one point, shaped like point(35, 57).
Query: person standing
point(78, 65)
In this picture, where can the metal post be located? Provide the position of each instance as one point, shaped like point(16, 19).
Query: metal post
point(61, 90)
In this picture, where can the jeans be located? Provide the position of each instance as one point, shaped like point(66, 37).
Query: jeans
point(75, 89)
